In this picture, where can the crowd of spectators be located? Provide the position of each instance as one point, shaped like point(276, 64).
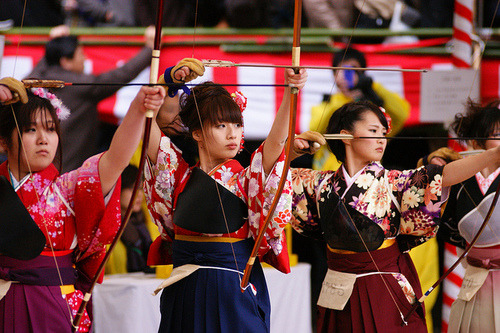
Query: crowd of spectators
point(333, 14)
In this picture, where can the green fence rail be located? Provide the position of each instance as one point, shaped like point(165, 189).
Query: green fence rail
point(257, 40)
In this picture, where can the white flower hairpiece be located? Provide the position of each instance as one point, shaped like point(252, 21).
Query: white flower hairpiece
point(61, 110)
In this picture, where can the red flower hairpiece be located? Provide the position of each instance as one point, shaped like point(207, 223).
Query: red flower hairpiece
point(388, 118)
point(241, 101)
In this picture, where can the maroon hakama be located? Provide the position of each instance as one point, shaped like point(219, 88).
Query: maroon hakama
point(370, 299)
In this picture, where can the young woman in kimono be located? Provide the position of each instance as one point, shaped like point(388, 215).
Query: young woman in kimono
point(209, 214)
point(78, 212)
point(370, 217)
point(477, 307)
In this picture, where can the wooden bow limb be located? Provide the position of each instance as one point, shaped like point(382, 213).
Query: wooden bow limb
point(288, 148)
point(467, 249)
point(226, 63)
point(153, 77)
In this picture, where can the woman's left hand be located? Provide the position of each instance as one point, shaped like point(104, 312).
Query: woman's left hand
point(296, 80)
point(150, 98)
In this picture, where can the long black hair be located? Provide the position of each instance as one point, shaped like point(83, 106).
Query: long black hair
point(478, 121)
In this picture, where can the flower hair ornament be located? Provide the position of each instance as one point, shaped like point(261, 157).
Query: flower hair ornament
point(241, 101)
point(61, 110)
point(388, 118)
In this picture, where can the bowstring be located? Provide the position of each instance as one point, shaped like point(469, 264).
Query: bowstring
point(204, 135)
point(477, 61)
point(486, 220)
point(31, 177)
point(336, 73)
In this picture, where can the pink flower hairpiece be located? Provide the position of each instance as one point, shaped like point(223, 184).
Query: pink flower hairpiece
point(388, 118)
point(61, 110)
point(241, 101)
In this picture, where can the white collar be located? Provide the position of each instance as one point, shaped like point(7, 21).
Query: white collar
point(350, 180)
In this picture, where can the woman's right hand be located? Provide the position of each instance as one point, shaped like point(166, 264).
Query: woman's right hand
point(187, 70)
point(307, 142)
point(12, 91)
point(5, 94)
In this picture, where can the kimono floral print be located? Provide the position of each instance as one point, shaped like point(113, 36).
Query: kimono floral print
point(370, 218)
point(378, 194)
point(210, 214)
point(404, 204)
point(248, 184)
point(78, 212)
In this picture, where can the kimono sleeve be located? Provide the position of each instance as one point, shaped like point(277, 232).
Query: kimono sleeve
point(419, 194)
point(305, 219)
point(97, 221)
point(160, 182)
point(261, 191)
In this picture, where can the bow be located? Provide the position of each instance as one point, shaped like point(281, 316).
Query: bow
point(153, 77)
point(288, 148)
point(466, 251)
point(30, 178)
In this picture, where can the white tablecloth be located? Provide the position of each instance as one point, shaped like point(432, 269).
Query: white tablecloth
point(124, 303)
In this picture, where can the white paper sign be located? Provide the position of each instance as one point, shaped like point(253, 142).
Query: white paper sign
point(444, 93)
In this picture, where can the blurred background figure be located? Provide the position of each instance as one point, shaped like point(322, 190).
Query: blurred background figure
point(113, 13)
point(64, 60)
point(354, 86)
point(136, 236)
point(40, 13)
point(331, 14)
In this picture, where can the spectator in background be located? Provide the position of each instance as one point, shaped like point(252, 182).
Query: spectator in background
point(354, 86)
point(281, 12)
point(436, 13)
point(64, 60)
point(40, 13)
point(331, 14)
point(115, 13)
point(374, 13)
point(248, 13)
point(181, 13)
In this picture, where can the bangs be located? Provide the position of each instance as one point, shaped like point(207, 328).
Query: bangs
point(45, 116)
point(223, 109)
point(37, 106)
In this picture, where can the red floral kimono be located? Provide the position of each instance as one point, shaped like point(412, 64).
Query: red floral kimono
point(72, 213)
point(194, 232)
point(165, 180)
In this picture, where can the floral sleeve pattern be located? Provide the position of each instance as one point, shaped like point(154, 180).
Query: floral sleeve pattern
point(305, 184)
point(160, 181)
point(260, 194)
point(419, 194)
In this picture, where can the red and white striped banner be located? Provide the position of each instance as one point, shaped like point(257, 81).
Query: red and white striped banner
point(463, 18)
